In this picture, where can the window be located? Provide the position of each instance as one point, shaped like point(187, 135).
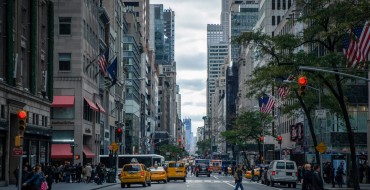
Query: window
point(280, 165)
point(273, 21)
point(273, 5)
point(290, 166)
point(64, 61)
point(289, 3)
point(62, 113)
point(284, 4)
point(278, 20)
point(278, 4)
point(65, 25)
point(88, 113)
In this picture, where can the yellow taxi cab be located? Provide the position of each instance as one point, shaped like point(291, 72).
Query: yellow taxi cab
point(176, 170)
point(158, 174)
point(256, 175)
point(135, 173)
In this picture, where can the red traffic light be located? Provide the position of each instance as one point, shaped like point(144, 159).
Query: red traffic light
point(280, 138)
point(77, 157)
point(302, 81)
point(262, 138)
point(119, 131)
point(22, 114)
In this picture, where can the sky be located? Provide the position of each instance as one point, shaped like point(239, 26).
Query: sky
point(191, 19)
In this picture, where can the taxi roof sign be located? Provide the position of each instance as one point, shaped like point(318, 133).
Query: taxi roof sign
point(134, 160)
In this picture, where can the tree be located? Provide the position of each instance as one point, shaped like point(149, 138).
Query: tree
point(174, 150)
point(249, 126)
point(203, 146)
point(328, 22)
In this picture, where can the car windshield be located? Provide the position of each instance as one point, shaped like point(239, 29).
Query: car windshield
point(130, 168)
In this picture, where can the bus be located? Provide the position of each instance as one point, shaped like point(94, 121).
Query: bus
point(147, 159)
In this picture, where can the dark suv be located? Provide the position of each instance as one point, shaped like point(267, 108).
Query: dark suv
point(202, 168)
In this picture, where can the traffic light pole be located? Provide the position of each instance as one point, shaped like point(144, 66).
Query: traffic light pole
point(20, 169)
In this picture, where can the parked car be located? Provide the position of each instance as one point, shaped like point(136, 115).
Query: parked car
point(283, 172)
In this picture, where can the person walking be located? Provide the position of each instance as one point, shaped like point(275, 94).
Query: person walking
point(307, 178)
point(34, 183)
point(317, 182)
point(49, 174)
point(238, 176)
point(88, 171)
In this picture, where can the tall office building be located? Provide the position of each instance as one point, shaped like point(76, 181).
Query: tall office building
point(189, 138)
point(26, 81)
point(169, 32)
point(217, 50)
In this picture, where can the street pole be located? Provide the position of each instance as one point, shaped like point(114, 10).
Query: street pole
point(20, 165)
point(280, 152)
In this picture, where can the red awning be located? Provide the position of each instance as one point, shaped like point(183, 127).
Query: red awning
point(61, 151)
point(100, 107)
point(91, 104)
point(63, 101)
point(88, 153)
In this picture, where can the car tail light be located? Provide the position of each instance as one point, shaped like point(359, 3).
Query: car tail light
point(273, 173)
point(142, 173)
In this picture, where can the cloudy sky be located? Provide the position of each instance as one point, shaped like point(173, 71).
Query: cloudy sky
point(191, 19)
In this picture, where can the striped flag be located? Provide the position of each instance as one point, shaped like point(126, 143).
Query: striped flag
point(266, 104)
point(270, 104)
point(103, 62)
point(356, 46)
point(283, 91)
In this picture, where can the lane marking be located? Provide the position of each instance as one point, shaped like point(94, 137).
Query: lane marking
point(230, 184)
point(215, 177)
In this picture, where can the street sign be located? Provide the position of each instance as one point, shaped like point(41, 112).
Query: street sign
point(320, 114)
point(114, 146)
point(17, 152)
point(321, 147)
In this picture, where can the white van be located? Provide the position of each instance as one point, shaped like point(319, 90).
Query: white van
point(282, 172)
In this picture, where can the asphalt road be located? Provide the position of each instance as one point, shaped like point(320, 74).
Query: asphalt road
point(215, 182)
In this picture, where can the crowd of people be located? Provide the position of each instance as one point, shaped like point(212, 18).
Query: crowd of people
point(42, 177)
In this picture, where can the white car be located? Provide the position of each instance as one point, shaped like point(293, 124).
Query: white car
point(282, 172)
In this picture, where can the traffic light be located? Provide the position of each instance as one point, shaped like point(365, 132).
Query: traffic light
point(302, 82)
point(262, 138)
point(119, 134)
point(22, 116)
point(77, 157)
point(279, 139)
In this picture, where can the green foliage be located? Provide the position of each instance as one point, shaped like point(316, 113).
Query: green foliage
point(249, 126)
point(174, 151)
point(203, 146)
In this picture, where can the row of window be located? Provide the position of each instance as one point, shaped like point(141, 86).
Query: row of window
point(281, 4)
point(275, 20)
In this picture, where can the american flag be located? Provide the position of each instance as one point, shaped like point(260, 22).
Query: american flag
point(356, 46)
point(283, 91)
point(266, 104)
point(103, 62)
point(270, 104)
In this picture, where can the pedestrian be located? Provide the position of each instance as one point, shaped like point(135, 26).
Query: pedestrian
point(307, 178)
point(34, 183)
point(78, 172)
point(49, 174)
point(16, 175)
point(238, 176)
point(88, 171)
point(332, 176)
point(339, 177)
point(317, 182)
point(252, 174)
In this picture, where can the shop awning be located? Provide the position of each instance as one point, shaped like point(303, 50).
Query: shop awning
point(61, 151)
point(91, 104)
point(88, 153)
point(100, 107)
point(63, 101)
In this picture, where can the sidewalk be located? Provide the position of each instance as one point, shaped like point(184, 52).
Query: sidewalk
point(69, 186)
point(362, 187)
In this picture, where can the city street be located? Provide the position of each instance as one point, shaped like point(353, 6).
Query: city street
point(215, 182)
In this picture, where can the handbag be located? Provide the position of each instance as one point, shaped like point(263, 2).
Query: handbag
point(44, 185)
